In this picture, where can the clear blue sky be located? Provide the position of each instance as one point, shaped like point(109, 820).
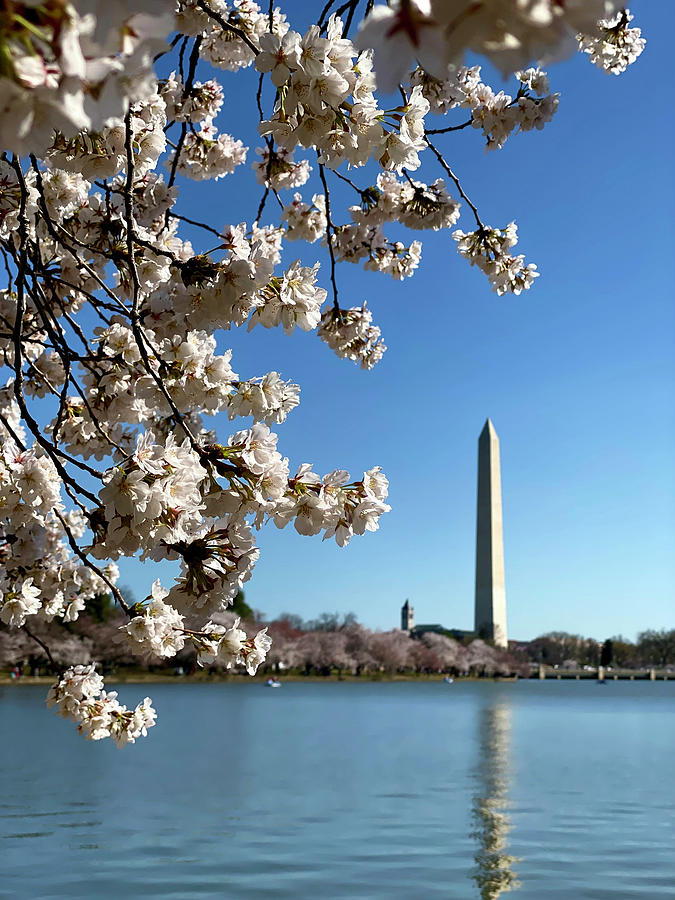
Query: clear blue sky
point(577, 375)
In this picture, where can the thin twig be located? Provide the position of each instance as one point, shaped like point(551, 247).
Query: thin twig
point(53, 452)
point(452, 175)
point(350, 15)
point(139, 336)
point(168, 50)
point(330, 228)
point(187, 87)
point(37, 640)
point(174, 215)
point(450, 128)
point(212, 14)
point(324, 14)
point(77, 550)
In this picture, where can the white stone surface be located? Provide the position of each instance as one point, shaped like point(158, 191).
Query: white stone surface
point(490, 609)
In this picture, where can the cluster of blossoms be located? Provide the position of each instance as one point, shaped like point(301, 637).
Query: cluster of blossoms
point(326, 100)
point(488, 248)
point(112, 320)
point(353, 243)
point(214, 562)
point(268, 399)
point(497, 115)
point(510, 34)
point(208, 154)
point(231, 647)
point(278, 169)
point(616, 46)
point(160, 631)
point(79, 695)
point(202, 101)
point(221, 47)
point(332, 505)
point(19, 602)
point(30, 487)
point(350, 334)
point(415, 204)
point(305, 221)
point(56, 584)
point(39, 574)
point(292, 300)
point(75, 66)
point(154, 495)
point(412, 203)
point(458, 87)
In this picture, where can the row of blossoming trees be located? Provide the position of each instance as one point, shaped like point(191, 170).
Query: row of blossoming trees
point(118, 381)
point(342, 648)
point(329, 645)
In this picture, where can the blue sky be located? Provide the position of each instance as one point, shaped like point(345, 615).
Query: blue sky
point(577, 375)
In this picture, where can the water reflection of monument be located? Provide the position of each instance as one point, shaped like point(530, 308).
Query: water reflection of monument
point(493, 873)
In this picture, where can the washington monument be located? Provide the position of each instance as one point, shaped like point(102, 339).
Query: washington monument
point(490, 615)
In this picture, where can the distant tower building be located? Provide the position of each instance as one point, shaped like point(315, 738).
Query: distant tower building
point(490, 617)
point(407, 617)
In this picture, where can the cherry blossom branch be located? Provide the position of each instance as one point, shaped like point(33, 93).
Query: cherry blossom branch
point(94, 418)
point(187, 86)
point(212, 14)
point(268, 140)
point(139, 336)
point(37, 640)
point(451, 127)
point(173, 43)
point(53, 451)
point(351, 5)
point(74, 546)
point(329, 229)
point(182, 218)
point(361, 193)
point(54, 228)
point(459, 187)
point(14, 436)
point(323, 17)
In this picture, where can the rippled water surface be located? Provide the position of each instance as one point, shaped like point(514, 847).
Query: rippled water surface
point(407, 791)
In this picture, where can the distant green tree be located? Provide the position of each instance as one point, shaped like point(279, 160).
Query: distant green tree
point(100, 607)
point(607, 653)
point(657, 647)
point(557, 646)
point(625, 653)
point(241, 608)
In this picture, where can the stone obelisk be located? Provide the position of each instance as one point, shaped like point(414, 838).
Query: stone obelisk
point(490, 615)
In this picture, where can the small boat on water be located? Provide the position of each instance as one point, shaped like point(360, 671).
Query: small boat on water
point(448, 680)
point(272, 682)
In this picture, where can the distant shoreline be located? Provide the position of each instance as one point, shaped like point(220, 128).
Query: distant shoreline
point(204, 678)
point(152, 678)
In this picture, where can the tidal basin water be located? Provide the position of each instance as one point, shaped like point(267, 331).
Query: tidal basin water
point(347, 790)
